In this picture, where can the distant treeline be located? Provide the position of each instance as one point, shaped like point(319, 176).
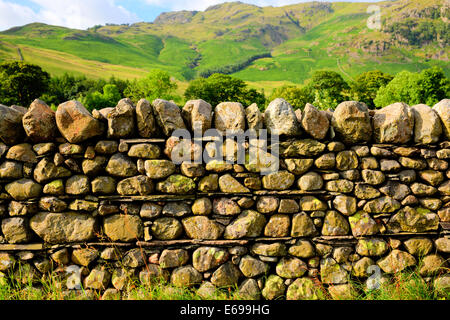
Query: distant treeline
point(21, 83)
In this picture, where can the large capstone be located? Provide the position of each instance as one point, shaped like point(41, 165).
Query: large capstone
point(168, 116)
point(229, 116)
point(11, 129)
point(75, 123)
point(121, 122)
point(351, 121)
point(315, 122)
point(280, 118)
point(198, 115)
point(393, 124)
point(39, 122)
point(443, 110)
point(145, 119)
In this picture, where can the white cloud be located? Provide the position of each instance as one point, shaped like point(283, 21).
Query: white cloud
point(79, 14)
point(12, 14)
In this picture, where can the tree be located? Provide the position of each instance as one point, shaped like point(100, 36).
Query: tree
point(221, 88)
point(21, 83)
point(367, 84)
point(97, 100)
point(298, 97)
point(329, 89)
point(156, 85)
point(429, 87)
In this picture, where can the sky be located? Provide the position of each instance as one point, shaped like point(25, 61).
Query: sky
point(82, 14)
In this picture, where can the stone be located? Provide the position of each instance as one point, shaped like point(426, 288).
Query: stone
point(198, 115)
point(394, 124)
point(176, 209)
point(11, 128)
point(311, 203)
point(124, 228)
point(430, 203)
point(310, 181)
point(207, 258)
point(345, 204)
point(209, 183)
point(332, 273)
point(407, 176)
point(202, 228)
point(121, 166)
point(341, 185)
point(227, 275)
point(52, 204)
point(288, 206)
point(274, 287)
point(416, 220)
point(335, 225)
point(301, 148)
point(218, 166)
point(371, 247)
point(61, 257)
point(225, 207)
point(443, 245)
point(144, 151)
point(362, 224)
point(145, 120)
point(442, 108)
point(75, 123)
point(278, 226)
point(382, 205)
point(427, 125)
point(98, 279)
point(248, 224)
point(267, 205)
point(346, 160)
point(396, 261)
point(251, 267)
point(418, 246)
point(11, 170)
point(228, 184)
point(94, 167)
point(23, 189)
point(139, 185)
point(395, 190)
point(159, 169)
point(168, 116)
point(443, 154)
point(298, 166)
point(437, 164)
point(103, 185)
point(202, 207)
point(351, 122)
point(22, 152)
point(315, 122)
point(280, 118)
point(373, 177)
point(416, 164)
point(63, 227)
point(55, 187)
point(229, 116)
point(83, 205)
point(249, 290)
point(441, 284)
point(16, 230)
point(432, 264)
point(192, 170)
point(444, 188)
point(291, 268)
point(302, 226)
point(176, 184)
point(421, 189)
point(167, 228)
point(326, 161)
point(302, 249)
point(432, 177)
point(343, 292)
point(362, 267)
point(173, 258)
point(255, 119)
point(84, 257)
point(106, 147)
point(304, 289)
point(207, 291)
point(46, 170)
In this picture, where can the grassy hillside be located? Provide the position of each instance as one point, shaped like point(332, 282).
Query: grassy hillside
point(265, 46)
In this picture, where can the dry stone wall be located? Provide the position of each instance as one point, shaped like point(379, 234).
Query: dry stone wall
point(97, 199)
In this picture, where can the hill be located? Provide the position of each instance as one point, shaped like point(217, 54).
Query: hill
point(262, 45)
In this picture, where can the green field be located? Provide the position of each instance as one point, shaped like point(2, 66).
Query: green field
point(296, 40)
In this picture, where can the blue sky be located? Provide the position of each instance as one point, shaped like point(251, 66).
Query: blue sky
point(82, 14)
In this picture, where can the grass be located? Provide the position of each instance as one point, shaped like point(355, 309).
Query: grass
point(407, 285)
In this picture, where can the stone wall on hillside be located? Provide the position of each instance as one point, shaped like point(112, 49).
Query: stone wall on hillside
point(359, 195)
